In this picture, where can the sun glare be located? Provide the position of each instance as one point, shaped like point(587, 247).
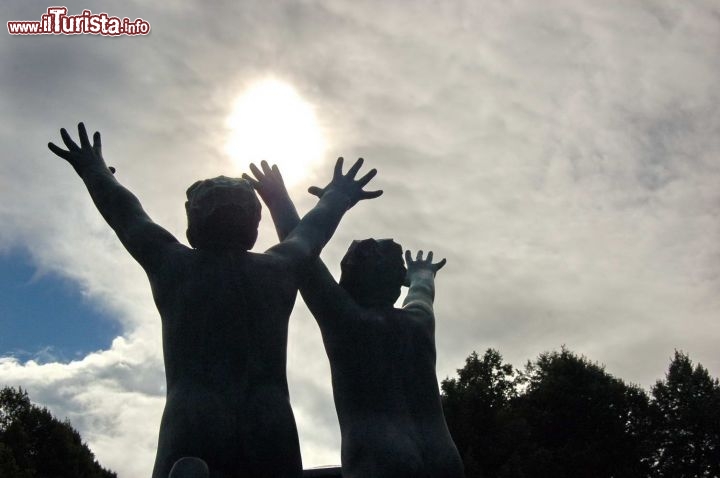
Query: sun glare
point(271, 121)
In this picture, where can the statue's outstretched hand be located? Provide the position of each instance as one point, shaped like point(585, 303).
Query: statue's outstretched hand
point(268, 183)
point(83, 156)
point(347, 185)
point(418, 266)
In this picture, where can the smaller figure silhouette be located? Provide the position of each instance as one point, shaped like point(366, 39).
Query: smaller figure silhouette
point(382, 358)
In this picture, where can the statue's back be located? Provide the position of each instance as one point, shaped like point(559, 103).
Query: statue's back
point(225, 319)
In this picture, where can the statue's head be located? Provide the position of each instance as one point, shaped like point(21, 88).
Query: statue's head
point(373, 271)
point(223, 213)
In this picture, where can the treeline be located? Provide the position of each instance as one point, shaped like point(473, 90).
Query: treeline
point(565, 416)
point(34, 444)
point(561, 416)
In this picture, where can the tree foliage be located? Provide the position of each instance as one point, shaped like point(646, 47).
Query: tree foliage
point(565, 416)
point(33, 444)
point(476, 408)
point(687, 422)
point(581, 420)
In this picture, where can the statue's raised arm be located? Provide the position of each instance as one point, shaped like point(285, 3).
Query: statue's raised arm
point(311, 234)
point(421, 281)
point(269, 184)
point(330, 302)
point(144, 239)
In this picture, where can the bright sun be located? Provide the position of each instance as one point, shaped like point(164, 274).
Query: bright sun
point(271, 121)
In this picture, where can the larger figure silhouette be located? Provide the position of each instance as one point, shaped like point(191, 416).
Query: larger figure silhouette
point(382, 359)
point(224, 314)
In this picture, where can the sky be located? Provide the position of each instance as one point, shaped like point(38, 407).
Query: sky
point(563, 156)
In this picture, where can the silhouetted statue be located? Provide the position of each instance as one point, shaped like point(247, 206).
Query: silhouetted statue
point(224, 314)
point(382, 358)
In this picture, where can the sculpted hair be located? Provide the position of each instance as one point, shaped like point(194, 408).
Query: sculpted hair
point(222, 213)
point(373, 272)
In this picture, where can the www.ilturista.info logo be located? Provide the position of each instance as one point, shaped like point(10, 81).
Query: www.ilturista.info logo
point(57, 22)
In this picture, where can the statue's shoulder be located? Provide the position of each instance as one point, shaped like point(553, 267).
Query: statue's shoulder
point(263, 257)
point(173, 259)
point(411, 321)
point(263, 261)
point(369, 321)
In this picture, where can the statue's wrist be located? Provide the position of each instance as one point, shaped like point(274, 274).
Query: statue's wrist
point(272, 201)
point(279, 199)
point(93, 169)
point(419, 274)
point(338, 197)
point(279, 204)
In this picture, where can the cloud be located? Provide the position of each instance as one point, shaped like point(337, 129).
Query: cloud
point(562, 157)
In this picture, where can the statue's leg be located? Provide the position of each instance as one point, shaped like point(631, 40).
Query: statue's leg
point(189, 467)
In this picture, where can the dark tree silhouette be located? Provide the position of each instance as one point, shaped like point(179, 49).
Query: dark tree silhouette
point(564, 416)
point(476, 406)
point(8, 466)
point(582, 420)
point(35, 444)
point(686, 422)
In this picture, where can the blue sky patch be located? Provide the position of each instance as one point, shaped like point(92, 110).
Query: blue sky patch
point(45, 318)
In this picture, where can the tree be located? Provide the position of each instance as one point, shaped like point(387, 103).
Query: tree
point(8, 466)
point(35, 444)
point(582, 421)
point(476, 407)
point(686, 421)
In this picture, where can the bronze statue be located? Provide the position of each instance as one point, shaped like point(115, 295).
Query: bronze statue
point(382, 359)
point(224, 314)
